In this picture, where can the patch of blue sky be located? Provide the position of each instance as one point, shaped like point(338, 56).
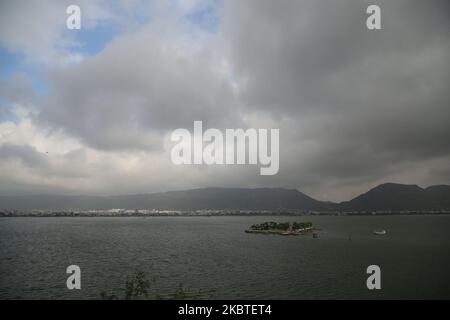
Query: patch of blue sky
point(206, 17)
point(13, 63)
point(9, 63)
point(36, 73)
point(91, 41)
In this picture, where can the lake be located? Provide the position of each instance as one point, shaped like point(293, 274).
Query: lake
point(216, 259)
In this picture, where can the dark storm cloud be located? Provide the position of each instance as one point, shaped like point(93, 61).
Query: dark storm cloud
point(366, 99)
point(313, 54)
point(28, 155)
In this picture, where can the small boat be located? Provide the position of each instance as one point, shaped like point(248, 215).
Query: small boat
point(380, 232)
point(288, 232)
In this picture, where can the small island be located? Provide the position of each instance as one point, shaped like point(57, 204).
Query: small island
point(281, 228)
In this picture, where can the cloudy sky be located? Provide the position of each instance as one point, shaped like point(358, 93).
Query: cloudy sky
point(91, 111)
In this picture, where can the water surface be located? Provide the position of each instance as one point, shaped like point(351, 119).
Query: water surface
point(215, 256)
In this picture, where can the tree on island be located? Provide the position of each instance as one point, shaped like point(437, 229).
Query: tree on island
point(281, 226)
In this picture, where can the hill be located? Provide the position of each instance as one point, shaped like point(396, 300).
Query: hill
point(208, 198)
point(393, 196)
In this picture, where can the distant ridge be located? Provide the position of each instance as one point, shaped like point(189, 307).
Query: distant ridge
point(195, 199)
point(394, 196)
point(388, 196)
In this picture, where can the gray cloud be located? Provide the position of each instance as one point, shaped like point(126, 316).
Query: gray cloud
point(28, 155)
point(367, 100)
point(17, 89)
point(354, 107)
point(134, 91)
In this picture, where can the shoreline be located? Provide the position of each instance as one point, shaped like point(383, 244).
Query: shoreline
point(87, 215)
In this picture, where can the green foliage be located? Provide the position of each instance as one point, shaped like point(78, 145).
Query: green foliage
point(301, 225)
point(281, 226)
point(137, 288)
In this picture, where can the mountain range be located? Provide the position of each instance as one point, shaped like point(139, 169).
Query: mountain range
point(388, 196)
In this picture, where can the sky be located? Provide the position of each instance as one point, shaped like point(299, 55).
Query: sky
point(91, 111)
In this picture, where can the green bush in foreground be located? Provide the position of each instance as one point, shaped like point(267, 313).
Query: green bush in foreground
point(138, 286)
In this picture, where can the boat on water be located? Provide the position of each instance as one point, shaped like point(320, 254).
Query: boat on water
point(288, 232)
point(380, 232)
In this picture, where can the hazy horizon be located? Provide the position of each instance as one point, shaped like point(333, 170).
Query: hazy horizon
point(210, 187)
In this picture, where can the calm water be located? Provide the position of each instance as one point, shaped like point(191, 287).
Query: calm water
point(214, 255)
